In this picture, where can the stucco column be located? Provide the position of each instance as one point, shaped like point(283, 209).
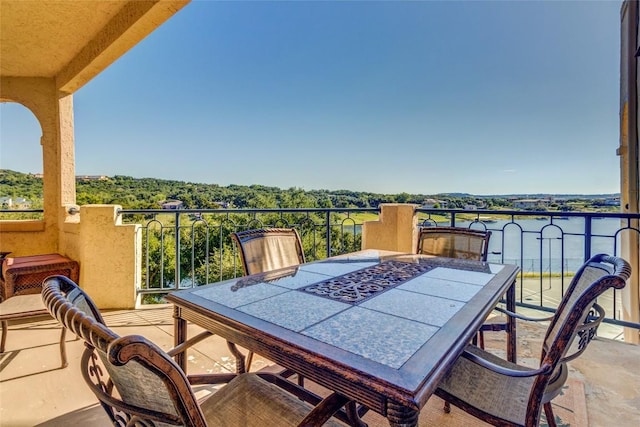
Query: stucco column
point(109, 256)
point(629, 167)
point(54, 112)
point(396, 230)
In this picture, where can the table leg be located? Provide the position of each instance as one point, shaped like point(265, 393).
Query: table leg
point(180, 336)
point(353, 416)
point(240, 365)
point(511, 324)
point(401, 416)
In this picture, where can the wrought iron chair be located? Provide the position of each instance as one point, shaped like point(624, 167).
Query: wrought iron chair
point(506, 394)
point(20, 285)
point(28, 308)
point(266, 249)
point(137, 383)
point(454, 242)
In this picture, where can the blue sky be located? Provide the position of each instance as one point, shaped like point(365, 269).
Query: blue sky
point(388, 97)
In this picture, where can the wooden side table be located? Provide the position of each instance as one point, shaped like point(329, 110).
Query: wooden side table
point(24, 275)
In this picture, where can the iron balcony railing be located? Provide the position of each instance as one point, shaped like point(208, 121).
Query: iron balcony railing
point(186, 248)
point(548, 246)
point(199, 241)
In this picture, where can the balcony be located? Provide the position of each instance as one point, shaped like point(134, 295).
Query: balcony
point(34, 391)
point(113, 248)
point(30, 366)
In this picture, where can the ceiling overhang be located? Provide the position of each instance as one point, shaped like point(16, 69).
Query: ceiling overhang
point(73, 41)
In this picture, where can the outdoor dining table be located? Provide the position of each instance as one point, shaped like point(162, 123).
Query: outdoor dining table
point(379, 327)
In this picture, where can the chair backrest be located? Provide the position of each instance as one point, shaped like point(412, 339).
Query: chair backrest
point(268, 249)
point(577, 316)
point(598, 274)
point(152, 388)
point(454, 242)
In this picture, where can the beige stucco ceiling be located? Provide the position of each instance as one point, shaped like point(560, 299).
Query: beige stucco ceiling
point(74, 40)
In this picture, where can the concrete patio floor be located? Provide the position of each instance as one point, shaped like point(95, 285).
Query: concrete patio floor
point(35, 391)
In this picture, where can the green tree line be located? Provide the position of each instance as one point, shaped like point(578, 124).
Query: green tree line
point(147, 193)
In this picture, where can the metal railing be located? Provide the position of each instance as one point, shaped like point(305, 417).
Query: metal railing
point(548, 246)
point(191, 247)
point(199, 241)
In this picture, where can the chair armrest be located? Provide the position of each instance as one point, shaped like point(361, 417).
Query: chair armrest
point(522, 317)
point(544, 369)
point(188, 343)
point(204, 379)
point(324, 410)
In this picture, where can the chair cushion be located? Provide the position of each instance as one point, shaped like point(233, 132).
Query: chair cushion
point(249, 401)
point(271, 253)
point(487, 390)
point(22, 306)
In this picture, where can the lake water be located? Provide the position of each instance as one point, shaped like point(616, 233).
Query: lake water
point(539, 246)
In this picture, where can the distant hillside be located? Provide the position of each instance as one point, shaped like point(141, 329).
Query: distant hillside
point(147, 193)
point(554, 196)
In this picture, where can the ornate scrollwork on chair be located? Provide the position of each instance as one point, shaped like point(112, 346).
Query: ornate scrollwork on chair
point(138, 384)
point(506, 394)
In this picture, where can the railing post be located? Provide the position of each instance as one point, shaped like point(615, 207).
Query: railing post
point(587, 237)
point(176, 278)
point(328, 232)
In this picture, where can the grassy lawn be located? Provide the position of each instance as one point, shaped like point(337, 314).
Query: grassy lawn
point(360, 217)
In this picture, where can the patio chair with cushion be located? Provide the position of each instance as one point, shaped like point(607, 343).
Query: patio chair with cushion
point(20, 285)
point(506, 394)
point(27, 308)
point(454, 242)
point(266, 249)
point(464, 243)
point(137, 383)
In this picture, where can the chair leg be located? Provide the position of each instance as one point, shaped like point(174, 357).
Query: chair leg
point(481, 338)
point(548, 412)
point(248, 361)
point(3, 340)
point(63, 348)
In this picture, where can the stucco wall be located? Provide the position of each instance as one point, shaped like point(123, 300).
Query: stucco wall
point(109, 253)
point(396, 230)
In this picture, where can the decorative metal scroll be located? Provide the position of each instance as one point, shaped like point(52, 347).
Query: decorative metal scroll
point(360, 285)
point(587, 334)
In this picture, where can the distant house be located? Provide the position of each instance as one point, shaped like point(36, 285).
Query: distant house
point(613, 201)
point(470, 207)
point(432, 203)
point(17, 203)
point(172, 204)
point(530, 203)
point(91, 177)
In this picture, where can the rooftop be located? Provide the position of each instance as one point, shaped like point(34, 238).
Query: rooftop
point(35, 391)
